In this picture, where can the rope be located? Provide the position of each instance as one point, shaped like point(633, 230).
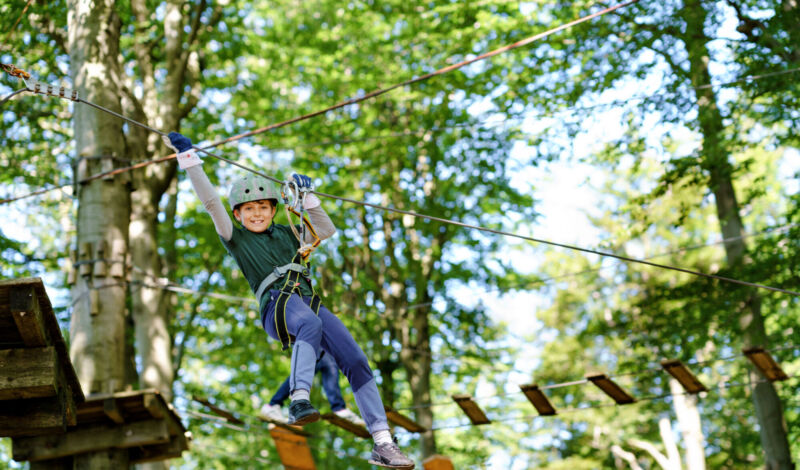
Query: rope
point(369, 138)
point(12, 95)
point(372, 94)
point(413, 213)
point(720, 386)
point(427, 76)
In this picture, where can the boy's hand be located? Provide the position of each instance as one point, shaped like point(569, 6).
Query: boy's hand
point(303, 182)
point(187, 157)
point(177, 142)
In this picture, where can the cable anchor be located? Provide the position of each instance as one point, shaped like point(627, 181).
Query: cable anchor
point(14, 71)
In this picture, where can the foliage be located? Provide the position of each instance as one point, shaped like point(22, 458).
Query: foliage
point(443, 147)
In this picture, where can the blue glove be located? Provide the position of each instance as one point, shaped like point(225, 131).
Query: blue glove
point(303, 182)
point(179, 142)
point(184, 151)
point(305, 186)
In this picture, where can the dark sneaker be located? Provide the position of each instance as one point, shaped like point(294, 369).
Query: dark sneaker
point(390, 456)
point(302, 412)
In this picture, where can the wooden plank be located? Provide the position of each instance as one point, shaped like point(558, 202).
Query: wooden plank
point(55, 464)
point(402, 420)
point(471, 409)
point(133, 405)
point(437, 462)
point(538, 399)
point(155, 405)
point(347, 425)
point(28, 373)
point(683, 375)
point(49, 323)
point(24, 305)
point(763, 360)
point(617, 393)
point(293, 450)
point(32, 417)
point(288, 427)
point(112, 410)
point(90, 439)
point(153, 453)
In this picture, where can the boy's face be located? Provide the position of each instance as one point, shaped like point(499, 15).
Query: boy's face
point(256, 216)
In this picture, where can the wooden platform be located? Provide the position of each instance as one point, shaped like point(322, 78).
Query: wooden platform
point(39, 390)
point(140, 421)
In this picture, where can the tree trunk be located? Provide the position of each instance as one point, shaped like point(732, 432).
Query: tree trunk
point(715, 161)
point(150, 302)
point(97, 325)
point(691, 429)
point(416, 357)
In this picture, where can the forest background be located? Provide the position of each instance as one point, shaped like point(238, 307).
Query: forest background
point(665, 130)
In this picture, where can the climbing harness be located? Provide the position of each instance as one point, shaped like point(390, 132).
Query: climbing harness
point(291, 273)
point(291, 285)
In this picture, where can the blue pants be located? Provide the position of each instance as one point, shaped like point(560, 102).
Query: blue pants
point(330, 384)
point(325, 332)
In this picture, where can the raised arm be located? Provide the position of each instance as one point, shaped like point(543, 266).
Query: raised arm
point(189, 161)
point(319, 219)
point(323, 224)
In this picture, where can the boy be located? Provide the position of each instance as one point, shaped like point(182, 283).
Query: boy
point(267, 255)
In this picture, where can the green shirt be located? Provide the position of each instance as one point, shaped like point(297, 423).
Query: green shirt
point(257, 254)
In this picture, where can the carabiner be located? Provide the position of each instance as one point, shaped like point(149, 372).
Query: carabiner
point(290, 197)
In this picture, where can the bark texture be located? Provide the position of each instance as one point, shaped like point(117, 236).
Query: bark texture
point(97, 325)
point(715, 159)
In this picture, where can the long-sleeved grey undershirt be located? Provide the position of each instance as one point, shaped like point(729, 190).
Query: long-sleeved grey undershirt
point(222, 221)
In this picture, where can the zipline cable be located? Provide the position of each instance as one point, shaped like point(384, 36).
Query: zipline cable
point(21, 90)
point(165, 284)
point(413, 213)
point(426, 76)
point(368, 138)
point(342, 104)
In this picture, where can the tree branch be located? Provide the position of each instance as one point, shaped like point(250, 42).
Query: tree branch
point(651, 449)
point(626, 456)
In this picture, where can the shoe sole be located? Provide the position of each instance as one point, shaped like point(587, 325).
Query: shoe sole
point(386, 465)
point(309, 418)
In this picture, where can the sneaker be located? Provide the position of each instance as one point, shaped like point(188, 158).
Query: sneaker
point(350, 416)
point(302, 412)
point(272, 413)
point(390, 456)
